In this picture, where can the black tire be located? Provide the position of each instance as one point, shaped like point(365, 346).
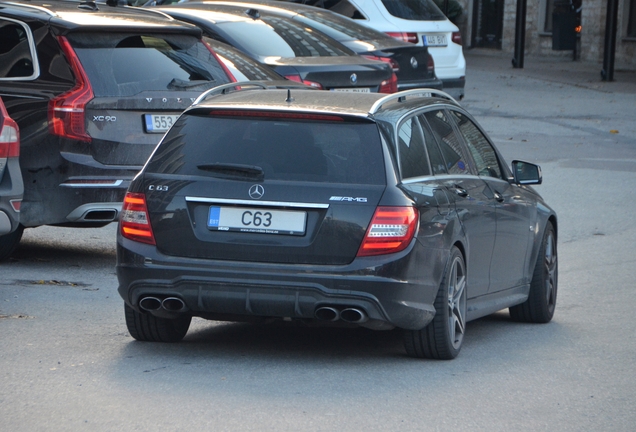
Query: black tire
point(9, 242)
point(442, 339)
point(148, 328)
point(541, 302)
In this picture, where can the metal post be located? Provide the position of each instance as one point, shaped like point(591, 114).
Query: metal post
point(520, 34)
point(609, 54)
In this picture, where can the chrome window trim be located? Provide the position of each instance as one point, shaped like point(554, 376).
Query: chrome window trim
point(34, 57)
point(256, 203)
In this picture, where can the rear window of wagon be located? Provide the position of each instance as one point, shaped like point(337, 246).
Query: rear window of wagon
point(298, 150)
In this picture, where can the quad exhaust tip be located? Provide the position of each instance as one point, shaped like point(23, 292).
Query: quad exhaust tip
point(170, 304)
point(348, 314)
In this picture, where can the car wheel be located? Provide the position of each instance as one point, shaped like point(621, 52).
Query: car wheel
point(541, 302)
point(443, 337)
point(9, 242)
point(149, 328)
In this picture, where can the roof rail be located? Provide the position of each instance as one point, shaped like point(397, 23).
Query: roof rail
point(402, 96)
point(221, 89)
point(40, 8)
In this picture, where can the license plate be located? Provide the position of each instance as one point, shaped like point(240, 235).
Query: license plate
point(257, 220)
point(159, 123)
point(353, 89)
point(436, 40)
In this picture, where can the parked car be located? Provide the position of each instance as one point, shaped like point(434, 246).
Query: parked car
point(93, 88)
point(244, 68)
point(291, 48)
point(360, 209)
point(417, 21)
point(413, 65)
point(11, 187)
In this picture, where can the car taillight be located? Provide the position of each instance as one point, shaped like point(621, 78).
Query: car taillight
point(405, 36)
point(391, 230)
point(66, 111)
point(297, 78)
point(430, 65)
point(394, 65)
point(134, 221)
point(457, 38)
point(9, 135)
point(390, 85)
point(225, 69)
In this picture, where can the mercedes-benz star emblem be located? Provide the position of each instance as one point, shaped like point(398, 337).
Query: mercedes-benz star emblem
point(257, 191)
point(354, 78)
point(414, 62)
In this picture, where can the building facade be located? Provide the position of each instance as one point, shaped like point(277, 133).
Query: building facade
point(491, 24)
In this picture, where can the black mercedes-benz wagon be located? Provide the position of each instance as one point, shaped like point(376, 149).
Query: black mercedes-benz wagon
point(378, 211)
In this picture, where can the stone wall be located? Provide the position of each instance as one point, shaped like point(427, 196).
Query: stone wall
point(592, 38)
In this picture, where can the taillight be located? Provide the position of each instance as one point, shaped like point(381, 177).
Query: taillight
point(391, 230)
point(405, 36)
point(457, 38)
point(66, 111)
point(9, 135)
point(134, 221)
point(394, 65)
point(430, 66)
point(390, 85)
point(297, 78)
point(225, 69)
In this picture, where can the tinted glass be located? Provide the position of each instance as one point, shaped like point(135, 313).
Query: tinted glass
point(169, 62)
point(281, 37)
point(243, 68)
point(412, 154)
point(483, 154)
point(416, 10)
point(285, 150)
point(15, 53)
point(448, 141)
point(339, 27)
point(435, 155)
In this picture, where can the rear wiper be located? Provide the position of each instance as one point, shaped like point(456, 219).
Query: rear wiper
point(178, 83)
point(235, 171)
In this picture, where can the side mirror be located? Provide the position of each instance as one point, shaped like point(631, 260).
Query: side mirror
point(526, 173)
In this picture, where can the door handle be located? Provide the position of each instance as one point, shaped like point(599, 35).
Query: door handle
point(460, 191)
point(499, 197)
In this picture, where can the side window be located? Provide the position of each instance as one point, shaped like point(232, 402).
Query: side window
point(347, 9)
point(449, 143)
point(435, 155)
point(483, 154)
point(412, 154)
point(16, 59)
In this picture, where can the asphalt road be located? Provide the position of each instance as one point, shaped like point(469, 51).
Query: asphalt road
point(67, 362)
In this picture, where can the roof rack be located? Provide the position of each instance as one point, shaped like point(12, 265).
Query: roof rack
point(221, 89)
point(403, 95)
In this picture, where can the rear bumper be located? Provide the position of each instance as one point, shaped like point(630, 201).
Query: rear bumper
point(218, 289)
point(454, 87)
point(435, 83)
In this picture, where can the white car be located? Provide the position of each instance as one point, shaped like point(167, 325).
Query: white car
point(418, 21)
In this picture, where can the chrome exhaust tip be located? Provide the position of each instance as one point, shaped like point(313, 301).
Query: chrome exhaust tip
point(326, 313)
point(150, 304)
point(173, 304)
point(353, 315)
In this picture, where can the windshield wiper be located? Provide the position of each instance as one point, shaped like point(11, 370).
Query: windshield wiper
point(234, 171)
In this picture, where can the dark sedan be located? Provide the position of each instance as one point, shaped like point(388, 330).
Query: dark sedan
point(412, 64)
point(291, 48)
